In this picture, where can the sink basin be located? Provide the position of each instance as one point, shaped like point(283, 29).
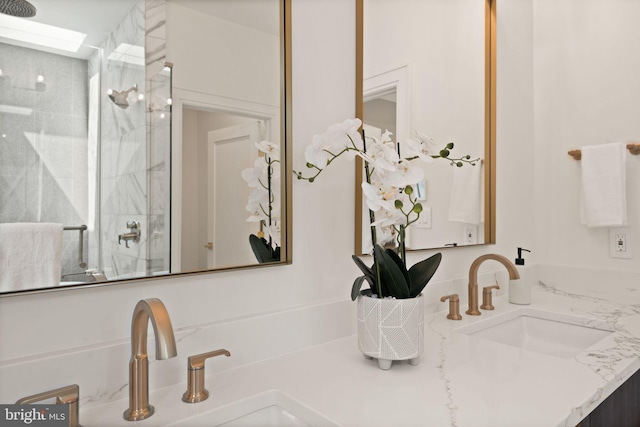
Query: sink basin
point(553, 334)
point(269, 409)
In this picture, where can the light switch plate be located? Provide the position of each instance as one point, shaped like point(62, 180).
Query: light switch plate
point(425, 218)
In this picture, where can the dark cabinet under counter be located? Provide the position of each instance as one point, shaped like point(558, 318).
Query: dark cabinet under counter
point(621, 409)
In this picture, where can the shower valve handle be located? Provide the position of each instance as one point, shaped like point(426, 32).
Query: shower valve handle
point(133, 235)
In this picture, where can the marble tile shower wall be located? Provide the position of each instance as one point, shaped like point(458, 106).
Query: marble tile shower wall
point(43, 147)
point(123, 152)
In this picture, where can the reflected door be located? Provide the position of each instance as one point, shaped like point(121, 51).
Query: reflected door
point(230, 150)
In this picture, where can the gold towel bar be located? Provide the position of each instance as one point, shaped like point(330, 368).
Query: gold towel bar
point(633, 147)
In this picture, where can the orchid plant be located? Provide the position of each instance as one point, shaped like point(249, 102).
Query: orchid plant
point(263, 205)
point(389, 186)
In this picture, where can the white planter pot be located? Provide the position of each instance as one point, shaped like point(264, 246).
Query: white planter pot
point(391, 329)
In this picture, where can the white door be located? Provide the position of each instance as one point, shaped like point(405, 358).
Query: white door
point(230, 150)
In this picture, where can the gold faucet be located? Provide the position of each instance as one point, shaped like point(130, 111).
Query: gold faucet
point(195, 376)
point(454, 306)
point(473, 278)
point(68, 395)
point(150, 309)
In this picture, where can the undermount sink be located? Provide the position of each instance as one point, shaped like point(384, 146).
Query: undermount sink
point(269, 409)
point(553, 334)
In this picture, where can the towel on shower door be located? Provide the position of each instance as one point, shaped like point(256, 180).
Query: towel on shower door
point(604, 201)
point(30, 255)
point(465, 204)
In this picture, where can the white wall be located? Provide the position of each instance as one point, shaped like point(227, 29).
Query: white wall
point(250, 56)
point(586, 68)
point(52, 327)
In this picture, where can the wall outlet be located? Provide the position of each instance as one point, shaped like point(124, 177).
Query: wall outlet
point(425, 218)
point(470, 234)
point(619, 245)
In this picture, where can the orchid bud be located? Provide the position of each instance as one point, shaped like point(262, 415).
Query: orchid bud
point(417, 208)
point(408, 189)
point(444, 153)
point(398, 204)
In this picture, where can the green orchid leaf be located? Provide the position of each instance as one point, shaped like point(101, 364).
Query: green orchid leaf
point(401, 265)
point(357, 284)
point(391, 275)
point(367, 271)
point(422, 272)
point(260, 249)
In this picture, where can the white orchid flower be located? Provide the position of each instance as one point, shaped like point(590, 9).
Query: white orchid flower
point(252, 176)
point(386, 136)
point(388, 217)
point(343, 136)
point(382, 155)
point(378, 197)
point(406, 173)
point(258, 205)
point(425, 147)
point(316, 154)
point(420, 149)
point(269, 148)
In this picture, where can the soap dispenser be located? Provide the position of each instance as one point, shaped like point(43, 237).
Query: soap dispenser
point(520, 289)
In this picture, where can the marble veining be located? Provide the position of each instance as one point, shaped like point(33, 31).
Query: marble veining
point(623, 347)
point(451, 405)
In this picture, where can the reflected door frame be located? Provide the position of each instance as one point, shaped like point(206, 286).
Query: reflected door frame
point(183, 98)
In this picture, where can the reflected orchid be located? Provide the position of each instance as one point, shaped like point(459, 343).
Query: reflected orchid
point(264, 200)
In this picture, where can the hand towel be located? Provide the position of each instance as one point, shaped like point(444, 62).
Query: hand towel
point(30, 255)
point(604, 201)
point(465, 204)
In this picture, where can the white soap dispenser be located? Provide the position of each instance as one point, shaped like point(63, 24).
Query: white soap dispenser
point(520, 289)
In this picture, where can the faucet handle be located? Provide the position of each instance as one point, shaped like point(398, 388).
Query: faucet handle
point(454, 306)
point(67, 395)
point(195, 376)
point(487, 297)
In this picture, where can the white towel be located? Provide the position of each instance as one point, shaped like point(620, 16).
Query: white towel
point(465, 204)
point(604, 201)
point(30, 255)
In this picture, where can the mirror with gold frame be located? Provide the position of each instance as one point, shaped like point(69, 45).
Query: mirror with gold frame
point(101, 178)
point(427, 68)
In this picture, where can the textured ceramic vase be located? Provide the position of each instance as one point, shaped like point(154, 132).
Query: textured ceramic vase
point(391, 329)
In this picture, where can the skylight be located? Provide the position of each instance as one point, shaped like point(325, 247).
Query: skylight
point(40, 34)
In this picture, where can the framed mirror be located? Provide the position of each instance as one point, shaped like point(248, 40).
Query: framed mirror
point(153, 141)
point(426, 69)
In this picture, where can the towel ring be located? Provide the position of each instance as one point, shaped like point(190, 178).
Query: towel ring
point(633, 147)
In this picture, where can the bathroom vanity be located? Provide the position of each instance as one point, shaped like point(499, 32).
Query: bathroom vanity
point(466, 377)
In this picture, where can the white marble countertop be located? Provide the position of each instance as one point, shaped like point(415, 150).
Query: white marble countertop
point(460, 381)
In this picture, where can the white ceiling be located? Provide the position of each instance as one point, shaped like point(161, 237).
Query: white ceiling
point(96, 18)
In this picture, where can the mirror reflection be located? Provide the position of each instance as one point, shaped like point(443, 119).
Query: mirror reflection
point(426, 75)
point(99, 181)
